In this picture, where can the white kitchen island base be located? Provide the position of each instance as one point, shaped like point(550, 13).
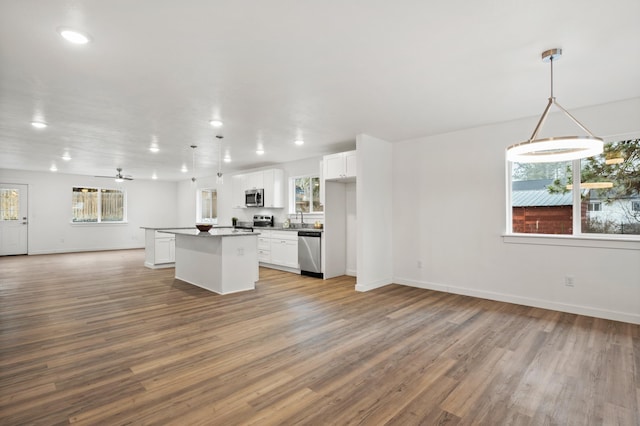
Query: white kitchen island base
point(222, 263)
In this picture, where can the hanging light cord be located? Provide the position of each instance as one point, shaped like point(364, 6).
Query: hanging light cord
point(551, 60)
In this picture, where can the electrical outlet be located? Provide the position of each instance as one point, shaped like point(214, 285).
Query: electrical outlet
point(569, 280)
point(419, 264)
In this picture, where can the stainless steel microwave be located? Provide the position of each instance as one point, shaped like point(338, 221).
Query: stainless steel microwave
point(254, 198)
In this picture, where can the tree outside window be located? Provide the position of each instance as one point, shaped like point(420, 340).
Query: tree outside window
point(306, 195)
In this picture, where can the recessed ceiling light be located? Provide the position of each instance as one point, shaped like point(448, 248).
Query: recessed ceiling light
point(227, 159)
point(73, 36)
point(259, 151)
point(66, 156)
point(154, 176)
point(215, 123)
point(39, 124)
point(299, 142)
point(184, 169)
point(154, 148)
point(53, 168)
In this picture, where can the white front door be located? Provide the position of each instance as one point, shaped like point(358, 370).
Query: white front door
point(13, 219)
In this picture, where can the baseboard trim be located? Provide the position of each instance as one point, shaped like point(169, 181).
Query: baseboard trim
point(279, 267)
point(80, 250)
point(373, 285)
point(526, 301)
point(159, 266)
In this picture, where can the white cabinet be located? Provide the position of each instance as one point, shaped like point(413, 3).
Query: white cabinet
point(273, 181)
point(284, 248)
point(278, 248)
point(264, 247)
point(237, 190)
point(165, 250)
point(255, 180)
point(159, 249)
point(339, 166)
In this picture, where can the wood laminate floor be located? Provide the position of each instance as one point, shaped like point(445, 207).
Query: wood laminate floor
point(96, 338)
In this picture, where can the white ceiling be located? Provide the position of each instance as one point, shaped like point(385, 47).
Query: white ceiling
point(278, 70)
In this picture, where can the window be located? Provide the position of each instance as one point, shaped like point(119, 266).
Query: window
point(207, 207)
point(541, 202)
point(97, 205)
point(542, 194)
point(9, 204)
point(594, 206)
point(612, 180)
point(305, 195)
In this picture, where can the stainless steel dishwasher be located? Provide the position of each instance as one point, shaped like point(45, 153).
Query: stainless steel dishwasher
point(309, 253)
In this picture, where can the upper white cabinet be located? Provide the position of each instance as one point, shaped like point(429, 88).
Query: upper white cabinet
point(255, 180)
point(238, 187)
point(339, 166)
point(272, 181)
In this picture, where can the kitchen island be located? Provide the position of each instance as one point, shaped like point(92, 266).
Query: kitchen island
point(222, 260)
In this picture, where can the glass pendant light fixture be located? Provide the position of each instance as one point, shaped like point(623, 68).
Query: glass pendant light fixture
point(559, 148)
point(219, 176)
point(193, 147)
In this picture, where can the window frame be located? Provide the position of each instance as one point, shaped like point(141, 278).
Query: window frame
point(594, 206)
point(199, 204)
point(100, 221)
point(292, 195)
point(577, 238)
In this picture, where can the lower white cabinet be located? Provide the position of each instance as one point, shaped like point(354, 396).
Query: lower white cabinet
point(159, 249)
point(278, 248)
point(165, 250)
point(264, 247)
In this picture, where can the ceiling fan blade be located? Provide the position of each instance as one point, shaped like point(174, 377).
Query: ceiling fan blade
point(119, 175)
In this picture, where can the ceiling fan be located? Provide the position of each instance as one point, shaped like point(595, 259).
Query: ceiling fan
point(119, 177)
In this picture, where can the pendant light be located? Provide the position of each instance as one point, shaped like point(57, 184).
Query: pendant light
point(193, 162)
point(219, 177)
point(559, 148)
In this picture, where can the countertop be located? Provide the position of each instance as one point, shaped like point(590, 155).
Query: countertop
point(246, 224)
point(278, 227)
point(213, 232)
point(170, 227)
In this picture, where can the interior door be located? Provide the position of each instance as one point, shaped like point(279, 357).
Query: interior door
point(14, 224)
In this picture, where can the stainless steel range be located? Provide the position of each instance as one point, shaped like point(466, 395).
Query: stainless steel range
point(262, 221)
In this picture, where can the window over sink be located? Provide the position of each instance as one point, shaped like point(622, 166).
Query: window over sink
point(304, 195)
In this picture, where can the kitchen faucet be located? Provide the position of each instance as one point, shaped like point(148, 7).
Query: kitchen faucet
point(301, 217)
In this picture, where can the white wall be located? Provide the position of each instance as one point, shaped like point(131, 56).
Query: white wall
point(449, 213)
point(149, 203)
point(374, 195)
